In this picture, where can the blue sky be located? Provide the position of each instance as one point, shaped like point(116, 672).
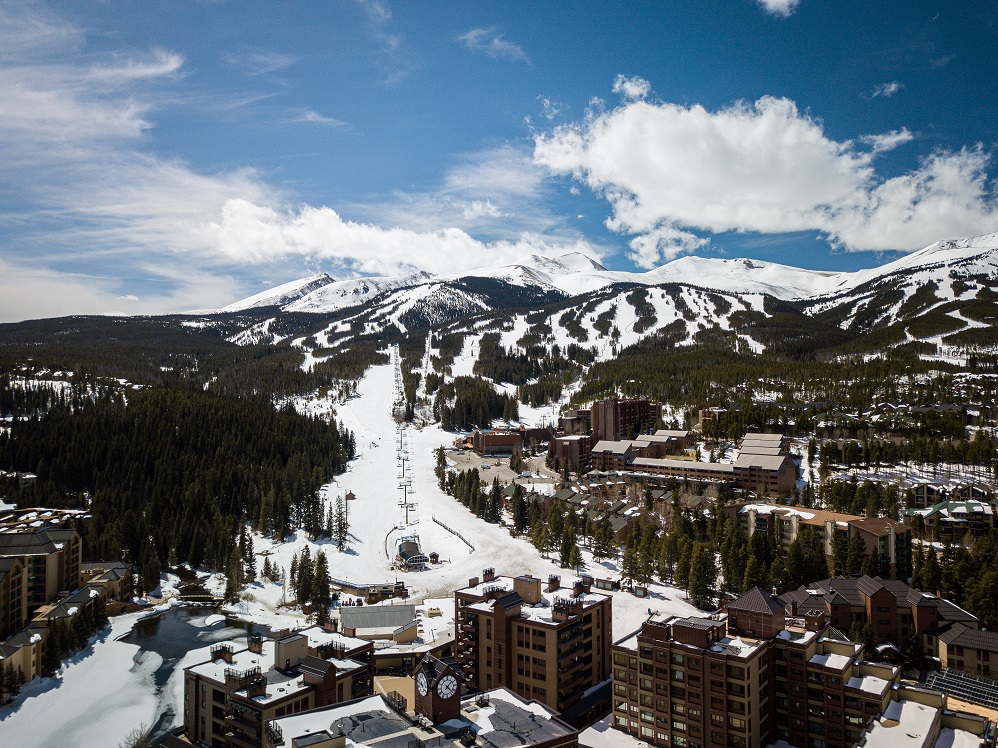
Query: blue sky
point(164, 156)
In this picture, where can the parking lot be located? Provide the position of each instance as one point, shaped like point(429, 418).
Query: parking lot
point(491, 467)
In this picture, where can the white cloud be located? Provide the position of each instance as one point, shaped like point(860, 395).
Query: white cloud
point(887, 141)
point(260, 61)
point(41, 292)
point(887, 89)
point(631, 89)
point(310, 117)
point(491, 42)
point(763, 167)
point(549, 109)
point(252, 233)
point(156, 235)
point(781, 8)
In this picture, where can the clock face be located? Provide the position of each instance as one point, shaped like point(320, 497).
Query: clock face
point(447, 687)
point(421, 684)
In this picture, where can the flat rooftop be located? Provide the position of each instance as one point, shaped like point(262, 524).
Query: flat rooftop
point(498, 718)
point(542, 611)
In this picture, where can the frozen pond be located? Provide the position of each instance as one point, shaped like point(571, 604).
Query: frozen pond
point(175, 633)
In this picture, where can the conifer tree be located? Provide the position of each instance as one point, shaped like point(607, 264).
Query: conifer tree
point(320, 589)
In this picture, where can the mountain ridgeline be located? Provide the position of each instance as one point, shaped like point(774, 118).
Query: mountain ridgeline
point(175, 429)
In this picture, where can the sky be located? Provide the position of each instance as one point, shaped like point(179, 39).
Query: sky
point(171, 155)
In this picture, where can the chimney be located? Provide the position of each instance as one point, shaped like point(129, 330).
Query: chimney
point(578, 588)
point(257, 687)
point(222, 652)
point(255, 644)
point(473, 582)
point(554, 582)
point(488, 574)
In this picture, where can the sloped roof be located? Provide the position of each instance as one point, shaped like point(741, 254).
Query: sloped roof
point(959, 635)
point(756, 600)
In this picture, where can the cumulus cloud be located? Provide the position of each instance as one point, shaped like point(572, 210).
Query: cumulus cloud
point(631, 89)
point(886, 90)
point(491, 42)
point(782, 8)
point(763, 167)
point(247, 232)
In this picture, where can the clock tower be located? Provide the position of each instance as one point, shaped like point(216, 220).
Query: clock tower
point(438, 689)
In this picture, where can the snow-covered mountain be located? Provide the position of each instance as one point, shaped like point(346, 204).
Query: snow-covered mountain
point(930, 295)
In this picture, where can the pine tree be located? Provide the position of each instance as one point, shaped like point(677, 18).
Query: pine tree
point(703, 576)
point(320, 589)
point(233, 573)
point(575, 557)
point(755, 575)
point(856, 555)
point(341, 528)
point(249, 561)
point(306, 577)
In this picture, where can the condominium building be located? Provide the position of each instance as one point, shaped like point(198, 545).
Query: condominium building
point(646, 456)
point(546, 643)
point(51, 562)
point(890, 538)
point(495, 719)
point(746, 680)
point(229, 699)
point(614, 419)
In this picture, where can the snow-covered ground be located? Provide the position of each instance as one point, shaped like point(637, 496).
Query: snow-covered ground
point(103, 693)
point(375, 519)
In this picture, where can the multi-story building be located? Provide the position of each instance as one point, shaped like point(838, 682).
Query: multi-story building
point(13, 596)
point(549, 644)
point(616, 419)
point(229, 699)
point(749, 680)
point(954, 521)
point(646, 456)
point(494, 719)
point(925, 493)
point(893, 609)
point(114, 576)
point(891, 539)
point(572, 450)
point(51, 561)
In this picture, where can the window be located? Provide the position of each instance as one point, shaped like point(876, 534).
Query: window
point(620, 721)
point(677, 658)
point(678, 675)
point(647, 732)
point(677, 725)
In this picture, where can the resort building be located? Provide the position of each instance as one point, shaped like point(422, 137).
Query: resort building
point(767, 474)
point(229, 699)
point(540, 641)
point(890, 538)
point(616, 419)
point(753, 678)
point(954, 521)
point(495, 719)
point(50, 559)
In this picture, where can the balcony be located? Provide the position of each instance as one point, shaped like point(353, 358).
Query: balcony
point(237, 739)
